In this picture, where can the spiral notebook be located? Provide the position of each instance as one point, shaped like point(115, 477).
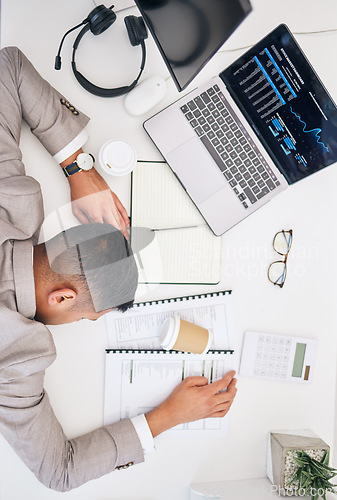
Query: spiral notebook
point(184, 249)
point(139, 327)
point(139, 375)
point(136, 381)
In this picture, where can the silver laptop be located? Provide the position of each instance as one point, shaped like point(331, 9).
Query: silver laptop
point(238, 140)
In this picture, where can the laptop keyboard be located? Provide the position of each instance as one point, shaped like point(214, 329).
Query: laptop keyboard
point(217, 126)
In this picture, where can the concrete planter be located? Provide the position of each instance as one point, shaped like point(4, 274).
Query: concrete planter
point(281, 465)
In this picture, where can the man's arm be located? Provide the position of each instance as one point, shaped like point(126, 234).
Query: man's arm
point(58, 126)
point(193, 399)
point(29, 424)
point(92, 200)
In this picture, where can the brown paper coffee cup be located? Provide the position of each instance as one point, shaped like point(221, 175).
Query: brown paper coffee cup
point(181, 335)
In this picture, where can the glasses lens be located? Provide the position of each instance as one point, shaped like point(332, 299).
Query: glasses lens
point(282, 242)
point(277, 273)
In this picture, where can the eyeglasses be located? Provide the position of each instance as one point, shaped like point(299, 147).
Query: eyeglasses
point(277, 270)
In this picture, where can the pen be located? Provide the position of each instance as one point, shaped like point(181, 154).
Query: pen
point(182, 227)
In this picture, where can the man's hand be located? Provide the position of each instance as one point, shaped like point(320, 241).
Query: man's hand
point(93, 201)
point(193, 399)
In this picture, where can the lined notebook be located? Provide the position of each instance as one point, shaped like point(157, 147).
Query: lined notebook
point(184, 249)
point(139, 327)
point(136, 381)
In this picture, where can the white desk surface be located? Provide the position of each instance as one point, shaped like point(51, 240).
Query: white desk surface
point(306, 305)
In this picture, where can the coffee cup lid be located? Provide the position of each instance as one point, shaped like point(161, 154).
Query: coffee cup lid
point(117, 157)
point(169, 332)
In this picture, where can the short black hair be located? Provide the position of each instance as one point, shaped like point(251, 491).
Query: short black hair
point(99, 256)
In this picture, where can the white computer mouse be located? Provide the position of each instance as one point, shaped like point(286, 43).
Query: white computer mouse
point(145, 96)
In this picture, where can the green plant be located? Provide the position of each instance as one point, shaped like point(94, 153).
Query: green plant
point(314, 476)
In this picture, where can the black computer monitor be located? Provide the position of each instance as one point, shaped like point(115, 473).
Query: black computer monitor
point(189, 32)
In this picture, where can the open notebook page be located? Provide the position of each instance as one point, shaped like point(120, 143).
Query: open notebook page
point(182, 255)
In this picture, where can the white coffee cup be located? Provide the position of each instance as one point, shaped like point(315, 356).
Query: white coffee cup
point(117, 157)
point(181, 335)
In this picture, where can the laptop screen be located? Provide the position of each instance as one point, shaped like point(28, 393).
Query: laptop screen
point(189, 32)
point(287, 105)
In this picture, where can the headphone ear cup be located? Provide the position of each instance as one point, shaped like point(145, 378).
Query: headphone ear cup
point(100, 19)
point(137, 33)
point(136, 29)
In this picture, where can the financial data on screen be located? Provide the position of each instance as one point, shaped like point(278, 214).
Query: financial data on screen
point(284, 100)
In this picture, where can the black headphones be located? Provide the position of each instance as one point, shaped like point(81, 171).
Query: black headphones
point(98, 21)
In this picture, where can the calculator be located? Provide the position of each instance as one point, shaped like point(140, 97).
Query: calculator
point(278, 357)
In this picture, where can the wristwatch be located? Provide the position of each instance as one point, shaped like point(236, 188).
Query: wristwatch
point(84, 161)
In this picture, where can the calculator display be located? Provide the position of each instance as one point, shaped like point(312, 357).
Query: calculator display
point(299, 360)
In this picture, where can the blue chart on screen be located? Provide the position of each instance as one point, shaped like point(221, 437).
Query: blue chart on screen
point(287, 104)
point(317, 131)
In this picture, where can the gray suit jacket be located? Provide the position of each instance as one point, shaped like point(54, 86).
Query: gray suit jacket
point(27, 420)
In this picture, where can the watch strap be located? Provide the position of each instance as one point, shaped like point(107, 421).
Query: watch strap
point(71, 169)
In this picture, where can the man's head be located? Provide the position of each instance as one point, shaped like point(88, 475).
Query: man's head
point(83, 272)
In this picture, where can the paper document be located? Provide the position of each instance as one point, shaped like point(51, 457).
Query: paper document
point(139, 327)
point(139, 375)
point(136, 382)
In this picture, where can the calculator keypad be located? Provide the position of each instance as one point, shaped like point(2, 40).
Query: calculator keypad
point(272, 356)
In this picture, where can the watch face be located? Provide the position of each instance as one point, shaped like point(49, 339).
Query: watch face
point(85, 161)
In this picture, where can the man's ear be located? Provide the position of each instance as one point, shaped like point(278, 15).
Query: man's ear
point(63, 297)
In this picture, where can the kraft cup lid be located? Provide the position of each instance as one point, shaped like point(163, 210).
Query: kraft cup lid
point(169, 332)
point(117, 157)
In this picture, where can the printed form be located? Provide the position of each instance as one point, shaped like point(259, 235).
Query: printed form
point(139, 375)
point(139, 327)
point(139, 381)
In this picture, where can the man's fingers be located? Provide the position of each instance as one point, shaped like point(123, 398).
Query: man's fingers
point(220, 414)
point(224, 398)
point(117, 221)
point(231, 389)
point(195, 381)
point(101, 205)
point(95, 218)
point(122, 210)
point(116, 215)
point(232, 385)
point(227, 395)
point(222, 408)
point(223, 383)
point(80, 216)
point(110, 216)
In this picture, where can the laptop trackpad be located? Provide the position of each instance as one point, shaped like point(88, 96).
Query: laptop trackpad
point(196, 170)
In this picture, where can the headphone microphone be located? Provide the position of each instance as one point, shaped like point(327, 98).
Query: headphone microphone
point(98, 21)
point(58, 61)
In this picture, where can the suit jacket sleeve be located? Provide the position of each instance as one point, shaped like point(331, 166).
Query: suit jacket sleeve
point(50, 116)
point(28, 422)
point(25, 94)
